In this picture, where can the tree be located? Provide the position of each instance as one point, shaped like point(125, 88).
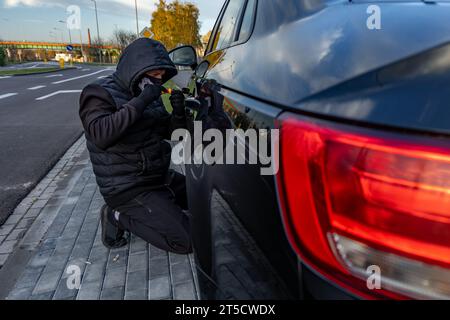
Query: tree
point(2, 57)
point(176, 23)
point(205, 38)
point(122, 38)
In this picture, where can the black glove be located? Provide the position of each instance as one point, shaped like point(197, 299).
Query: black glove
point(177, 102)
point(150, 93)
point(207, 87)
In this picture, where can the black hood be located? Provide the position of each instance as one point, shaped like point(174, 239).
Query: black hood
point(139, 57)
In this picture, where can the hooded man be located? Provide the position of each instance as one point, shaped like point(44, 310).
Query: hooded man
point(126, 125)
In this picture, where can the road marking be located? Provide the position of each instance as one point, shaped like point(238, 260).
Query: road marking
point(54, 75)
point(85, 69)
point(79, 77)
point(6, 95)
point(58, 92)
point(37, 87)
point(5, 77)
point(102, 77)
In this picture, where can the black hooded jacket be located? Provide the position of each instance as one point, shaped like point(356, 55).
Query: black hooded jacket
point(125, 139)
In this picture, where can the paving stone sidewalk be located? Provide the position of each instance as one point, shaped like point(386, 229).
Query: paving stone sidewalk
point(59, 222)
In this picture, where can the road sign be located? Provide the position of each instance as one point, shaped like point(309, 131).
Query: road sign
point(146, 33)
point(69, 48)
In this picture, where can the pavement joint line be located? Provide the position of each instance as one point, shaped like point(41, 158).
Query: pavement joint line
point(172, 286)
point(36, 88)
point(36, 231)
point(195, 276)
point(26, 247)
point(81, 245)
point(80, 77)
point(61, 278)
point(56, 93)
point(7, 95)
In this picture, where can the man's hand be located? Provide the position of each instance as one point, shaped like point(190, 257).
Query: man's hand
point(207, 87)
point(177, 102)
point(150, 93)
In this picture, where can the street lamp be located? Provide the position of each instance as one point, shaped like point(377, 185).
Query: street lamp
point(62, 34)
point(137, 19)
point(81, 43)
point(98, 32)
point(53, 36)
point(70, 35)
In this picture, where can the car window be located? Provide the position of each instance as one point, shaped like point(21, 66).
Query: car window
point(226, 31)
point(211, 42)
point(247, 21)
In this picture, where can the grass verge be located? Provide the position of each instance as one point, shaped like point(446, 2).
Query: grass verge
point(26, 71)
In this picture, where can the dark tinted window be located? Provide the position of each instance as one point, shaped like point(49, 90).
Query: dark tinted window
point(227, 28)
point(247, 22)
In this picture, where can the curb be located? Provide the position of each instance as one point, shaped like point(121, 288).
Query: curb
point(26, 246)
point(53, 161)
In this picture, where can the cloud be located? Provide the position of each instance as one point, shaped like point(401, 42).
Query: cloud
point(209, 9)
point(148, 5)
point(107, 6)
point(29, 3)
point(142, 4)
point(118, 8)
point(34, 20)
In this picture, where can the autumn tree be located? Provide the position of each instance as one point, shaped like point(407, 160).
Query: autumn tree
point(176, 23)
point(205, 38)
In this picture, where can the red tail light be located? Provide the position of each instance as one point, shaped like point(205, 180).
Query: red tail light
point(353, 198)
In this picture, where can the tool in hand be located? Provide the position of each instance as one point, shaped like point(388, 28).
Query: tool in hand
point(167, 90)
point(170, 90)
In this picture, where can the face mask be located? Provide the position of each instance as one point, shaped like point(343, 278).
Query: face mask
point(156, 81)
point(149, 80)
point(144, 82)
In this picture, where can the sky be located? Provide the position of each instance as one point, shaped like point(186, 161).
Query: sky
point(37, 20)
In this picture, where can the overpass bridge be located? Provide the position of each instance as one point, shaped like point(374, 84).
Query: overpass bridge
point(52, 46)
point(19, 47)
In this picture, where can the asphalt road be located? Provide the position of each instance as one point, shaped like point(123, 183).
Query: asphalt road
point(38, 123)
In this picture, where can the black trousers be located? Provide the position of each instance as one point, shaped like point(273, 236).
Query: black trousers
point(158, 217)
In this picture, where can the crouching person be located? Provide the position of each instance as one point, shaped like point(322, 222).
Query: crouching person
point(126, 125)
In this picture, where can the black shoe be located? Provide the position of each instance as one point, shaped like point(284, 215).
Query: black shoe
point(113, 236)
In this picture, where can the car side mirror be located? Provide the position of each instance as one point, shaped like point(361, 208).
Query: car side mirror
point(201, 69)
point(184, 56)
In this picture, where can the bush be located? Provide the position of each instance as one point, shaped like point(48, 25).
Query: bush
point(2, 57)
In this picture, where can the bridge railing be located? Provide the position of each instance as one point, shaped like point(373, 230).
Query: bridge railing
point(52, 45)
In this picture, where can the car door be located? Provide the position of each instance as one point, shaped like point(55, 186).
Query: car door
point(241, 248)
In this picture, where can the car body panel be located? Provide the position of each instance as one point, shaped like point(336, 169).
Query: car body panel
point(320, 59)
point(327, 48)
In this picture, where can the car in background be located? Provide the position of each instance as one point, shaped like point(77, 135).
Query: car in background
point(363, 186)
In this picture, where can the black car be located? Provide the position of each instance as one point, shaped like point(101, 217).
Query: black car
point(360, 206)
